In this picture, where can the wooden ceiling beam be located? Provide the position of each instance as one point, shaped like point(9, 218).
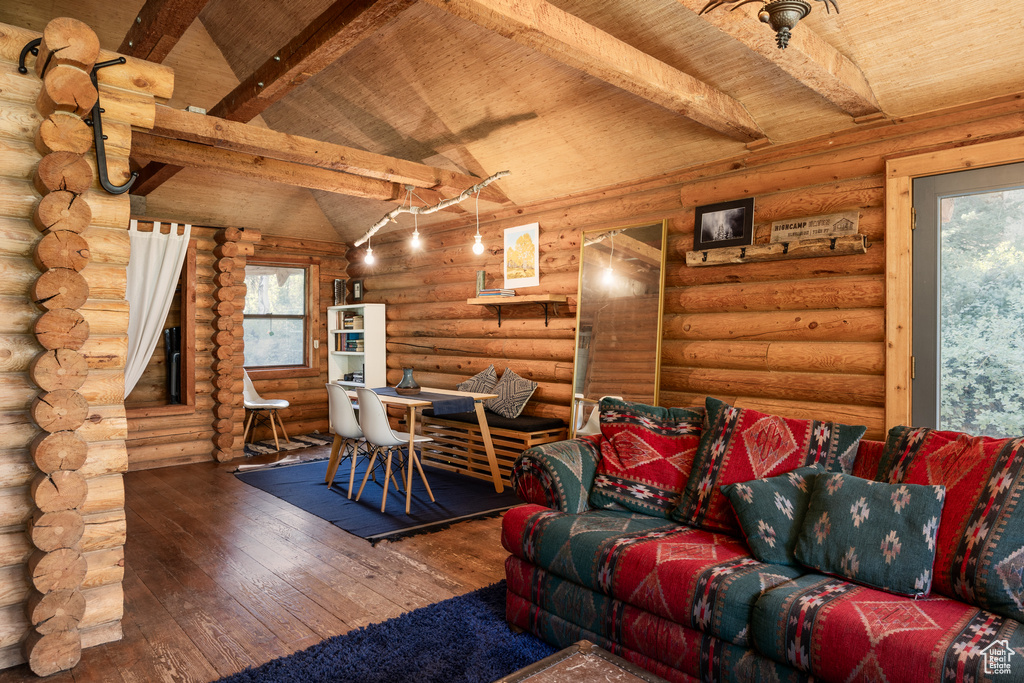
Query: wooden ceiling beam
point(241, 137)
point(808, 59)
point(337, 30)
point(541, 26)
point(158, 26)
point(186, 154)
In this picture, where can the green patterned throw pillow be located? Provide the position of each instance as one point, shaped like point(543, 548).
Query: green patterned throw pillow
point(880, 535)
point(771, 512)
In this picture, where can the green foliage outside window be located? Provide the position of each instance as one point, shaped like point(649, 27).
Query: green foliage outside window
point(275, 312)
point(982, 308)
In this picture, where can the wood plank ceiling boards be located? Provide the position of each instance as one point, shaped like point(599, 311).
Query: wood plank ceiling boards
point(808, 59)
point(542, 26)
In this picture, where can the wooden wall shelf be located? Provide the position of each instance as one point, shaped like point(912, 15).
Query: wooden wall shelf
point(778, 251)
point(496, 302)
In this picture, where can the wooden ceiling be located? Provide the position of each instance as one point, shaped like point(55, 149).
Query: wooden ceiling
point(569, 95)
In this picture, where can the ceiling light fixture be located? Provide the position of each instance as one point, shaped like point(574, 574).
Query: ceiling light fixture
point(781, 15)
point(415, 220)
point(369, 258)
point(478, 246)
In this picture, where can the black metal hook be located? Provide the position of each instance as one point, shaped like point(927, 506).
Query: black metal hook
point(33, 47)
point(97, 134)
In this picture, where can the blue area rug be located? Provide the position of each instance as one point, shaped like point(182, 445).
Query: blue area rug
point(461, 640)
point(458, 498)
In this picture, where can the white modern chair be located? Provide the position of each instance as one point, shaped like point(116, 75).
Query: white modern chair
point(256, 404)
point(373, 420)
point(347, 434)
point(593, 425)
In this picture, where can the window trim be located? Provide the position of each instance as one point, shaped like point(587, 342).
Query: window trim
point(900, 173)
point(311, 365)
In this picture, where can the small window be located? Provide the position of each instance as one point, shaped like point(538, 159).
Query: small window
point(275, 316)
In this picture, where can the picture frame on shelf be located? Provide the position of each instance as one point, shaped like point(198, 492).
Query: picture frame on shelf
point(725, 224)
point(521, 262)
point(357, 290)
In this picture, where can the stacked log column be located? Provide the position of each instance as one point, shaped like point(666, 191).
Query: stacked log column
point(227, 373)
point(56, 604)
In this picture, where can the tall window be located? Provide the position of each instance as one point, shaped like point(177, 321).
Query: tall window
point(969, 301)
point(277, 325)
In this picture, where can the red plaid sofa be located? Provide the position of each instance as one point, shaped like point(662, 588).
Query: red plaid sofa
point(690, 604)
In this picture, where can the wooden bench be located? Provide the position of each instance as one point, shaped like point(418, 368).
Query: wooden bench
point(458, 445)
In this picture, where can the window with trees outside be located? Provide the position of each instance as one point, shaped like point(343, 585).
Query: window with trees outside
point(279, 315)
point(969, 301)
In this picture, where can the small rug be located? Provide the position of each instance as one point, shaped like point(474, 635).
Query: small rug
point(460, 640)
point(295, 443)
point(458, 496)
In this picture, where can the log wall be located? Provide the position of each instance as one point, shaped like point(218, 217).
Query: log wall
point(29, 486)
point(798, 338)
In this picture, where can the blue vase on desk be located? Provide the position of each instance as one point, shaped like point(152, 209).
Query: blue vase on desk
point(408, 386)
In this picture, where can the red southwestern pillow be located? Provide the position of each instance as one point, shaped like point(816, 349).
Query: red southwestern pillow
point(646, 455)
point(739, 444)
point(980, 553)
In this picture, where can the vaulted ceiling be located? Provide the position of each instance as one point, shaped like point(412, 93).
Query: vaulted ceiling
point(589, 96)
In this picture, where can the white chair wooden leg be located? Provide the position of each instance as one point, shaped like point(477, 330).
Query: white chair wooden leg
point(281, 425)
point(387, 478)
point(334, 461)
point(277, 444)
point(373, 459)
point(248, 424)
point(352, 475)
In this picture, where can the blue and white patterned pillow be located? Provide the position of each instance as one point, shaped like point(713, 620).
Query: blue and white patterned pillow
point(481, 383)
point(513, 392)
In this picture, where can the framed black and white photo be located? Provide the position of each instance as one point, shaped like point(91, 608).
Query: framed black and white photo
point(357, 290)
point(726, 224)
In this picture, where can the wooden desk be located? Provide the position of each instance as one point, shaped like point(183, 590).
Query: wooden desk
point(412, 403)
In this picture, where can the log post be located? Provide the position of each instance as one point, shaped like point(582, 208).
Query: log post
point(56, 568)
point(226, 372)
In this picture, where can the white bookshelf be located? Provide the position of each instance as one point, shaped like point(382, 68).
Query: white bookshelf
point(371, 360)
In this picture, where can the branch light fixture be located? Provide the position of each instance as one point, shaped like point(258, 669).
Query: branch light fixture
point(781, 15)
point(416, 210)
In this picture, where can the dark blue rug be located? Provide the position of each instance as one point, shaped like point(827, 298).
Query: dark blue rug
point(461, 640)
point(458, 498)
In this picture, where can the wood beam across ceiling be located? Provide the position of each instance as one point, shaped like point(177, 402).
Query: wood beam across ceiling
point(541, 26)
point(808, 59)
point(158, 26)
point(242, 137)
point(337, 30)
point(194, 155)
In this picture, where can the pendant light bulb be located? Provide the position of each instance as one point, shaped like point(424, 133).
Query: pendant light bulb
point(609, 276)
point(369, 258)
point(415, 239)
point(478, 246)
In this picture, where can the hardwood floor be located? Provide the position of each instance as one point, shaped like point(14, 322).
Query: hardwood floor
point(220, 576)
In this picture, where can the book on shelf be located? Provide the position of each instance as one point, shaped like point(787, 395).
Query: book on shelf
point(497, 292)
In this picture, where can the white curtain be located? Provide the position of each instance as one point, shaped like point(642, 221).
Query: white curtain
point(153, 271)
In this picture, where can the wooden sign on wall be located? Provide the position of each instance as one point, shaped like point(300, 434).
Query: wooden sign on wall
point(828, 225)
